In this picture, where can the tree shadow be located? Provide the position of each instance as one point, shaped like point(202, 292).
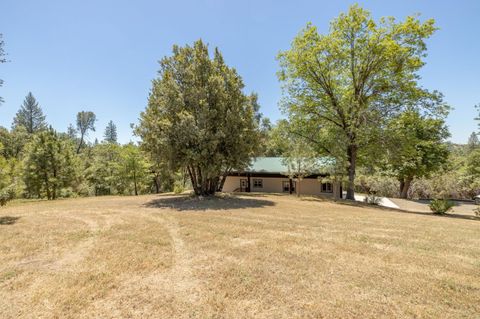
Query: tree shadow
point(218, 202)
point(8, 220)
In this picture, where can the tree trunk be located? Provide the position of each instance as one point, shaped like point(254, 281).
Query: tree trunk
point(352, 163)
point(222, 181)
point(156, 181)
point(202, 185)
point(135, 182)
point(80, 144)
point(402, 185)
point(406, 186)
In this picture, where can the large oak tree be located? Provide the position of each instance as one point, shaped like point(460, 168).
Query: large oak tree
point(349, 82)
point(198, 117)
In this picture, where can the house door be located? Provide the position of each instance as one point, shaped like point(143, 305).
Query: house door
point(243, 185)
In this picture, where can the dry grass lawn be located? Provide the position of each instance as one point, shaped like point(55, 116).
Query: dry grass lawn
point(235, 257)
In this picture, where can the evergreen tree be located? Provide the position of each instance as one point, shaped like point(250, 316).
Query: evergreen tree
point(85, 122)
point(49, 165)
point(134, 170)
point(2, 59)
point(30, 115)
point(198, 118)
point(473, 141)
point(110, 135)
point(72, 132)
point(103, 173)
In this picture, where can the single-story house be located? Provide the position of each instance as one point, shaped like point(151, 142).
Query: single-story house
point(271, 175)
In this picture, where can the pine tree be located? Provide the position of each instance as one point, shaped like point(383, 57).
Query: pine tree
point(2, 59)
point(72, 132)
point(49, 165)
point(110, 135)
point(473, 141)
point(30, 115)
point(205, 126)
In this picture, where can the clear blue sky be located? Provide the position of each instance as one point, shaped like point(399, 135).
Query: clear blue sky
point(101, 55)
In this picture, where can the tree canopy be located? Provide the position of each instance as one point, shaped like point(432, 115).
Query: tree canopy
point(349, 82)
point(85, 122)
point(198, 117)
point(110, 135)
point(30, 115)
point(417, 147)
point(49, 165)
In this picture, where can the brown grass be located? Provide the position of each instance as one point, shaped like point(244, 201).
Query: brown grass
point(234, 257)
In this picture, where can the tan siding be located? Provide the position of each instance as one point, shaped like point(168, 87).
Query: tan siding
point(273, 185)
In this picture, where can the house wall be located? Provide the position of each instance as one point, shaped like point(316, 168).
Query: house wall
point(310, 186)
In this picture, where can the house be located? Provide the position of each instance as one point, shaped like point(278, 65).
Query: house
point(271, 175)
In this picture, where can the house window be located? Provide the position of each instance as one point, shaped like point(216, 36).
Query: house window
point(327, 188)
point(286, 187)
point(258, 183)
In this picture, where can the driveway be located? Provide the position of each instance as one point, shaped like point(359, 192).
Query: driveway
point(421, 205)
point(383, 201)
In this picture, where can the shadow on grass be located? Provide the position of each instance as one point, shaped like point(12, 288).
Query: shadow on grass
point(8, 220)
point(218, 202)
point(398, 210)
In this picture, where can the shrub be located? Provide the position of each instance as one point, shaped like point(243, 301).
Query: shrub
point(378, 184)
point(178, 188)
point(440, 206)
point(477, 211)
point(372, 199)
point(7, 194)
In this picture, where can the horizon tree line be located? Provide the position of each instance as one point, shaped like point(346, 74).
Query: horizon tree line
point(352, 94)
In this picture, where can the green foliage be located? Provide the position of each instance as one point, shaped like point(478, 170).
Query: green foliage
point(117, 169)
point(198, 118)
point(178, 188)
point(6, 195)
point(134, 171)
point(440, 206)
point(417, 147)
point(49, 165)
point(377, 184)
point(85, 122)
point(473, 164)
point(372, 199)
point(72, 132)
point(347, 84)
point(110, 135)
point(473, 142)
point(103, 173)
point(13, 142)
point(30, 116)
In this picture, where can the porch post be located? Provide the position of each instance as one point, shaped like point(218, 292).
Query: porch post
point(248, 182)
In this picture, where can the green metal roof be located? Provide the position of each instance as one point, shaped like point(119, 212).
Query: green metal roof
point(279, 165)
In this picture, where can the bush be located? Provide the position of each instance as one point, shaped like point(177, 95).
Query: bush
point(440, 206)
point(378, 184)
point(178, 188)
point(372, 199)
point(476, 211)
point(7, 194)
